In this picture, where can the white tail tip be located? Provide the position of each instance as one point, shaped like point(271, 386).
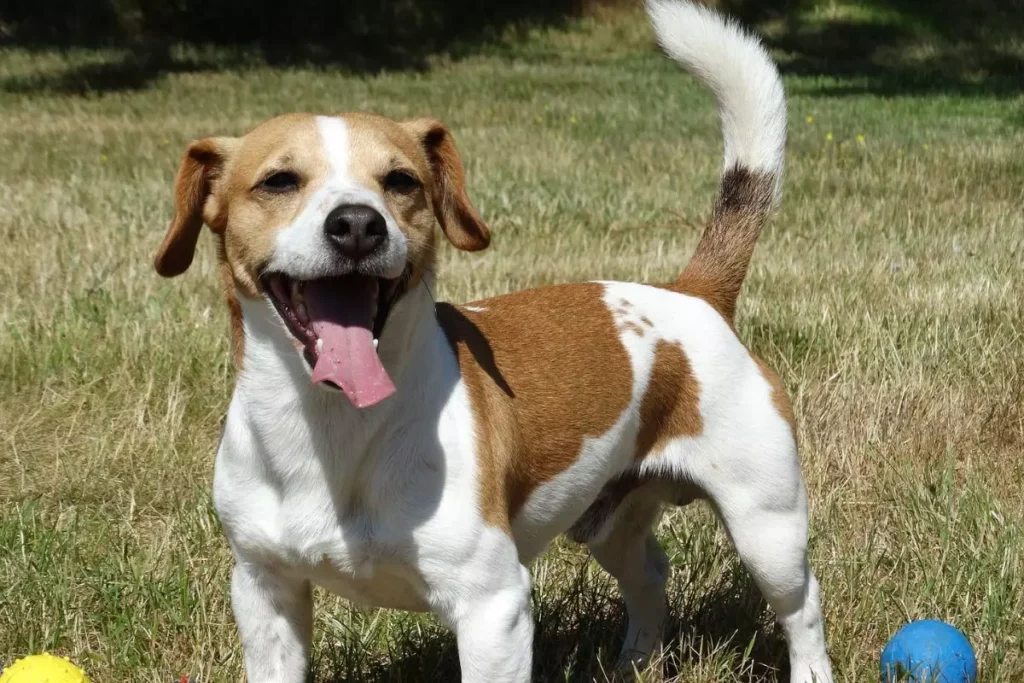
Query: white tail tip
point(738, 70)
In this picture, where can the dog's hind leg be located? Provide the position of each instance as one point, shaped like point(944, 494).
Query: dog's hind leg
point(628, 550)
point(759, 495)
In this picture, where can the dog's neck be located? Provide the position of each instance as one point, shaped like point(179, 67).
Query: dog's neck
point(306, 436)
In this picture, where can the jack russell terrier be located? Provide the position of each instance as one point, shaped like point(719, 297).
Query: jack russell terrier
point(418, 455)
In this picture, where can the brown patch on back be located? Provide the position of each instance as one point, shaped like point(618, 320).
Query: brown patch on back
point(719, 265)
point(545, 370)
point(780, 399)
point(671, 405)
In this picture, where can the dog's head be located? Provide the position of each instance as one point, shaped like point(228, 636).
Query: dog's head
point(328, 221)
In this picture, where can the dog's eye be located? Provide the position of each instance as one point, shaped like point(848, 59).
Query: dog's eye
point(401, 181)
point(280, 182)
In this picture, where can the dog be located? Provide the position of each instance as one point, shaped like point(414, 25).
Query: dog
point(416, 455)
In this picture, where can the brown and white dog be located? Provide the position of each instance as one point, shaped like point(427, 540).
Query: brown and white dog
point(415, 455)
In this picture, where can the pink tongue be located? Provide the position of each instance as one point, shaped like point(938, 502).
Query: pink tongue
point(341, 315)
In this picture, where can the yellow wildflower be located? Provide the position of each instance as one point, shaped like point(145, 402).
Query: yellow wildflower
point(809, 119)
point(860, 138)
point(828, 137)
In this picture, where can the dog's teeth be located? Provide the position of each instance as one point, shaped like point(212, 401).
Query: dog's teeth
point(375, 342)
point(301, 313)
point(319, 345)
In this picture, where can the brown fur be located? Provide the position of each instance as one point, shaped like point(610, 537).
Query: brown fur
point(460, 222)
point(719, 264)
point(201, 166)
point(545, 370)
point(671, 405)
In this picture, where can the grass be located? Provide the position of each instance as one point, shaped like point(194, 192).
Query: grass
point(887, 292)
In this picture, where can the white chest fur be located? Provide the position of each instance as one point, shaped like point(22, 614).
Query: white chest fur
point(368, 503)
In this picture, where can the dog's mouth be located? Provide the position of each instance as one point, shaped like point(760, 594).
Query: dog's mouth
point(338, 322)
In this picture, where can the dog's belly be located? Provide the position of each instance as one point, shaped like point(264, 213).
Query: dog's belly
point(394, 586)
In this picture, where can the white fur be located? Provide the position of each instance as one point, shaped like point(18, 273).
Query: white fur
point(381, 504)
point(737, 69)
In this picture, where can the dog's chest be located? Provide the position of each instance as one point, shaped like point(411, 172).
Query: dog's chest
point(355, 552)
point(312, 503)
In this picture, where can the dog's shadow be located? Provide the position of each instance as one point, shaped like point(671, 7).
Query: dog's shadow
point(579, 629)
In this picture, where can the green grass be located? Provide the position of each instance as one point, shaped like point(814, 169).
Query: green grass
point(886, 291)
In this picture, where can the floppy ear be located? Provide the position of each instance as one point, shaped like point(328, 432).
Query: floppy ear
point(201, 164)
point(460, 222)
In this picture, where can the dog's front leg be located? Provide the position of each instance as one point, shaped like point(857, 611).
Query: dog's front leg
point(274, 614)
point(495, 632)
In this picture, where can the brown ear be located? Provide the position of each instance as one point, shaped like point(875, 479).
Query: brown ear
point(201, 164)
point(460, 222)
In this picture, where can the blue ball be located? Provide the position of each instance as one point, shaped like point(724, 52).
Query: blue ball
point(929, 651)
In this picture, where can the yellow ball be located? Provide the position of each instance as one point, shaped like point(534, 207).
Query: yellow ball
point(44, 668)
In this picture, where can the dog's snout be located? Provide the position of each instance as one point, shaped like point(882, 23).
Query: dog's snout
point(356, 230)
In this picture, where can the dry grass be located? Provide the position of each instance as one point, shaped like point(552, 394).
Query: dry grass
point(887, 291)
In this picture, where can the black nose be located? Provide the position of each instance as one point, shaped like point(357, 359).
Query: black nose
point(356, 230)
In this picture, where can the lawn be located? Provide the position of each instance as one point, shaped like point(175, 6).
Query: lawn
point(888, 291)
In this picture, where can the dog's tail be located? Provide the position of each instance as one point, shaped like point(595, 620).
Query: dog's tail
point(752, 107)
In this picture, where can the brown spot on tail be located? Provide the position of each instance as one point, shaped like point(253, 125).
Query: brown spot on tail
point(719, 265)
point(545, 370)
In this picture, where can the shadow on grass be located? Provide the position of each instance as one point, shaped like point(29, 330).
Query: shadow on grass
point(890, 47)
point(361, 36)
point(579, 632)
point(970, 47)
point(134, 69)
